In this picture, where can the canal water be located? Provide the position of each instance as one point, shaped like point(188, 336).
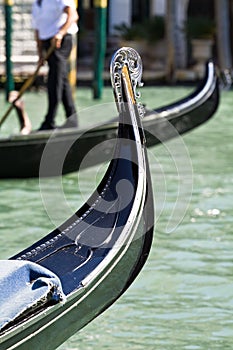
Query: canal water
point(183, 297)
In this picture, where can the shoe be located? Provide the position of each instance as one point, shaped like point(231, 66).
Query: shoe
point(70, 122)
point(46, 126)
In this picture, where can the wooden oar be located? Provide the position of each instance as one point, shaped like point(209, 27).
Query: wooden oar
point(27, 84)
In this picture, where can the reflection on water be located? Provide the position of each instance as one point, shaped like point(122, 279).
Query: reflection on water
point(183, 298)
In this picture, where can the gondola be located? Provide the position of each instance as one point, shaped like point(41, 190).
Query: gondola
point(22, 155)
point(84, 265)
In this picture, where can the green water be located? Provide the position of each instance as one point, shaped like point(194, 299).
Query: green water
point(183, 298)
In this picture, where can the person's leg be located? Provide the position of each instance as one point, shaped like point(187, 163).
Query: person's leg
point(54, 86)
point(70, 110)
point(24, 121)
point(67, 98)
point(58, 85)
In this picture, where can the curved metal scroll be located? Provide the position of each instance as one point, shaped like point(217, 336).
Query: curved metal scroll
point(126, 58)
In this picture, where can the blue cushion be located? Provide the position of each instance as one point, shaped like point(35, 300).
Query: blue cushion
point(24, 287)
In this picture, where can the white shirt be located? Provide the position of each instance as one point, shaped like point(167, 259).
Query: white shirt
point(49, 17)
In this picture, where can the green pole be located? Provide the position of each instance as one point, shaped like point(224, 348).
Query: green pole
point(8, 41)
point(73, 62)
point(100, 45)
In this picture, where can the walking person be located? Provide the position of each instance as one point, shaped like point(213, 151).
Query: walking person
point(55, 22)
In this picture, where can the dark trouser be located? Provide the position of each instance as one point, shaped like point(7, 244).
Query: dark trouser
point(58, 84)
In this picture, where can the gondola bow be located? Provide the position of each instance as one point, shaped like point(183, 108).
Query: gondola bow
point(98, 252)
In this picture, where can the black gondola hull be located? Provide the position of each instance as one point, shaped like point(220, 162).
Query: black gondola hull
point(23, 157)
point(98, 252)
